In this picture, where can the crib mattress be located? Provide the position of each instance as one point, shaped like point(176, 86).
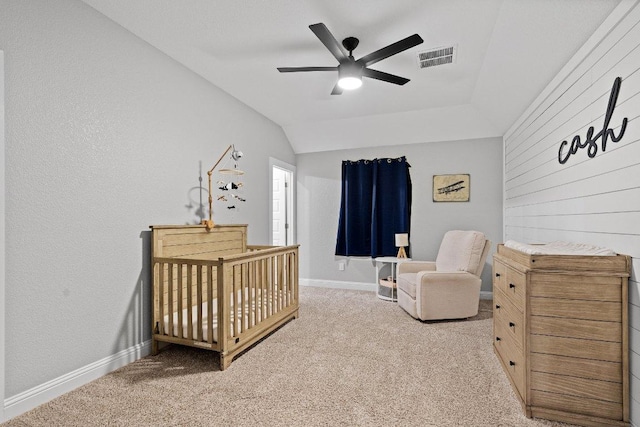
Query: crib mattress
point(249, 315)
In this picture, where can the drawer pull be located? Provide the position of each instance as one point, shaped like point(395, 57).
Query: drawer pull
point(512, 286)
point(498, 338)
point(497, 274)
point(512, 325)
point(498, 306)
point(512, 363)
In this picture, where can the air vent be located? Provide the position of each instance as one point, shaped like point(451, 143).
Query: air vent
point(437, 56)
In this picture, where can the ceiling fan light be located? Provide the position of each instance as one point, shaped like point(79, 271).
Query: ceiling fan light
point(350, 83)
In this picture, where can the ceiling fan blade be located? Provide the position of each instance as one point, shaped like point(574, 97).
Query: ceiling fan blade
point(296, 69)
point(337, 90)
point(390, 50)
point(385, 77)
point(325, 36)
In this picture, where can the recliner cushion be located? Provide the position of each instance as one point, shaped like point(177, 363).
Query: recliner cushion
point(460, 251)
point(407, 282)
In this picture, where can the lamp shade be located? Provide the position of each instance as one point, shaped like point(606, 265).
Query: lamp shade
point(402, 240)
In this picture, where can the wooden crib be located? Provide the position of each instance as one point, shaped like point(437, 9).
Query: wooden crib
point(213, 291)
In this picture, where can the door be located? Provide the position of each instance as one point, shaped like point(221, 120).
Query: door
point(279, 205)
point(282, 212)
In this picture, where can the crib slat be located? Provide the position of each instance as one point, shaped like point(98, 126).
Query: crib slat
point(199, 302)
point(263, 305)
point(170, 298)
point(160, 318)
point(234, 304)
point(288, 279)
point(295, 276)
point(223, 308)
point(280, 281)
point(269, 282)
point(210, 304)
point(274, 284)
point(189, 301)
point(289, 262)
point(252, 286)
point(257, 311)
point(243, 298)
point(179, 301)
point(284, 281)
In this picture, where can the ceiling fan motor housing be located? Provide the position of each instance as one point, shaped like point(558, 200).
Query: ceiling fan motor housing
point(350, 69)
point(350, 43)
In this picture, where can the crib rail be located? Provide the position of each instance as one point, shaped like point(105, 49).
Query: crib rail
point(224, 304)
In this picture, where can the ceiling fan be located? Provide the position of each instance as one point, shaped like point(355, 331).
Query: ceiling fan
point(350, 70)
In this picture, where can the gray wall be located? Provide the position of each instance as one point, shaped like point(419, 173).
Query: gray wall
point(587, 200)
point(319, 177)
point(104, 136)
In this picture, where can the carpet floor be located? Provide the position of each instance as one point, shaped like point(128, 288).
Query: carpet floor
point(350, 359)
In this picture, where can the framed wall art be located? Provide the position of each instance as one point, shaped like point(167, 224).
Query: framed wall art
point(451, 188)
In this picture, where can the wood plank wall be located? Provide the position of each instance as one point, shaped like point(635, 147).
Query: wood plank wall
point(590, 200)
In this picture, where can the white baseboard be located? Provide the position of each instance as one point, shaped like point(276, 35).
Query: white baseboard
point(335, 284)
point(27, 400)
point(486, 295)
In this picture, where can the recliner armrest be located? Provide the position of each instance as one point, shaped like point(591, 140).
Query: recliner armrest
point(447, 278)
point(416, 266)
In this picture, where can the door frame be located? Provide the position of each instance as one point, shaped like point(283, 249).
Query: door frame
point(273, 162)
point(2, 239)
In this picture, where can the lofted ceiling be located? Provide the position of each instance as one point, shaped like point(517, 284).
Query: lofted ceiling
point(507, 52)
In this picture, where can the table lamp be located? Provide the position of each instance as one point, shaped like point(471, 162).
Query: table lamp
point(402, 241)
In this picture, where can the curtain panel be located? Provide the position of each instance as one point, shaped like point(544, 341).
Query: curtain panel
point(375, 205)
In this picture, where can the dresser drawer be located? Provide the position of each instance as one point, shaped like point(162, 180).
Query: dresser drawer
point(604, 311)
point(576, 328)
point(579, 387)
point(583, 349)
point(572, 286)
point(499, 275)
point(512, 283)
point(509, 318)
point(512, 357)
point(576, 405)
point(575, 367)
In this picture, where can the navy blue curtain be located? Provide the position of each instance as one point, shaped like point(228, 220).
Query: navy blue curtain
point(376, 204)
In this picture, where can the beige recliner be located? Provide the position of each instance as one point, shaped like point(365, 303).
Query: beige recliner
point(448, 288)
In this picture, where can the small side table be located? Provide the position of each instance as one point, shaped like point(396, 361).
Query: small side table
point(388, 293)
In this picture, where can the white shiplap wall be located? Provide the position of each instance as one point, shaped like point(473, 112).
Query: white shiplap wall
point(589, 200)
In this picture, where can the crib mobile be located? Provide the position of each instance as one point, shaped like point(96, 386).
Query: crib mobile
point(228, 188)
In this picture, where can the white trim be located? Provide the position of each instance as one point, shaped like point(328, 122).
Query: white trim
point(486, 295)
point(596, 38)
point(27, 400)
point(290, 168)
point(2, 237)
point(335, 284)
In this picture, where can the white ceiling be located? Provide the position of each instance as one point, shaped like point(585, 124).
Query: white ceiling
point(508, 51)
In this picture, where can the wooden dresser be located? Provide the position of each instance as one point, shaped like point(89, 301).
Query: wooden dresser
point(560, 332)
